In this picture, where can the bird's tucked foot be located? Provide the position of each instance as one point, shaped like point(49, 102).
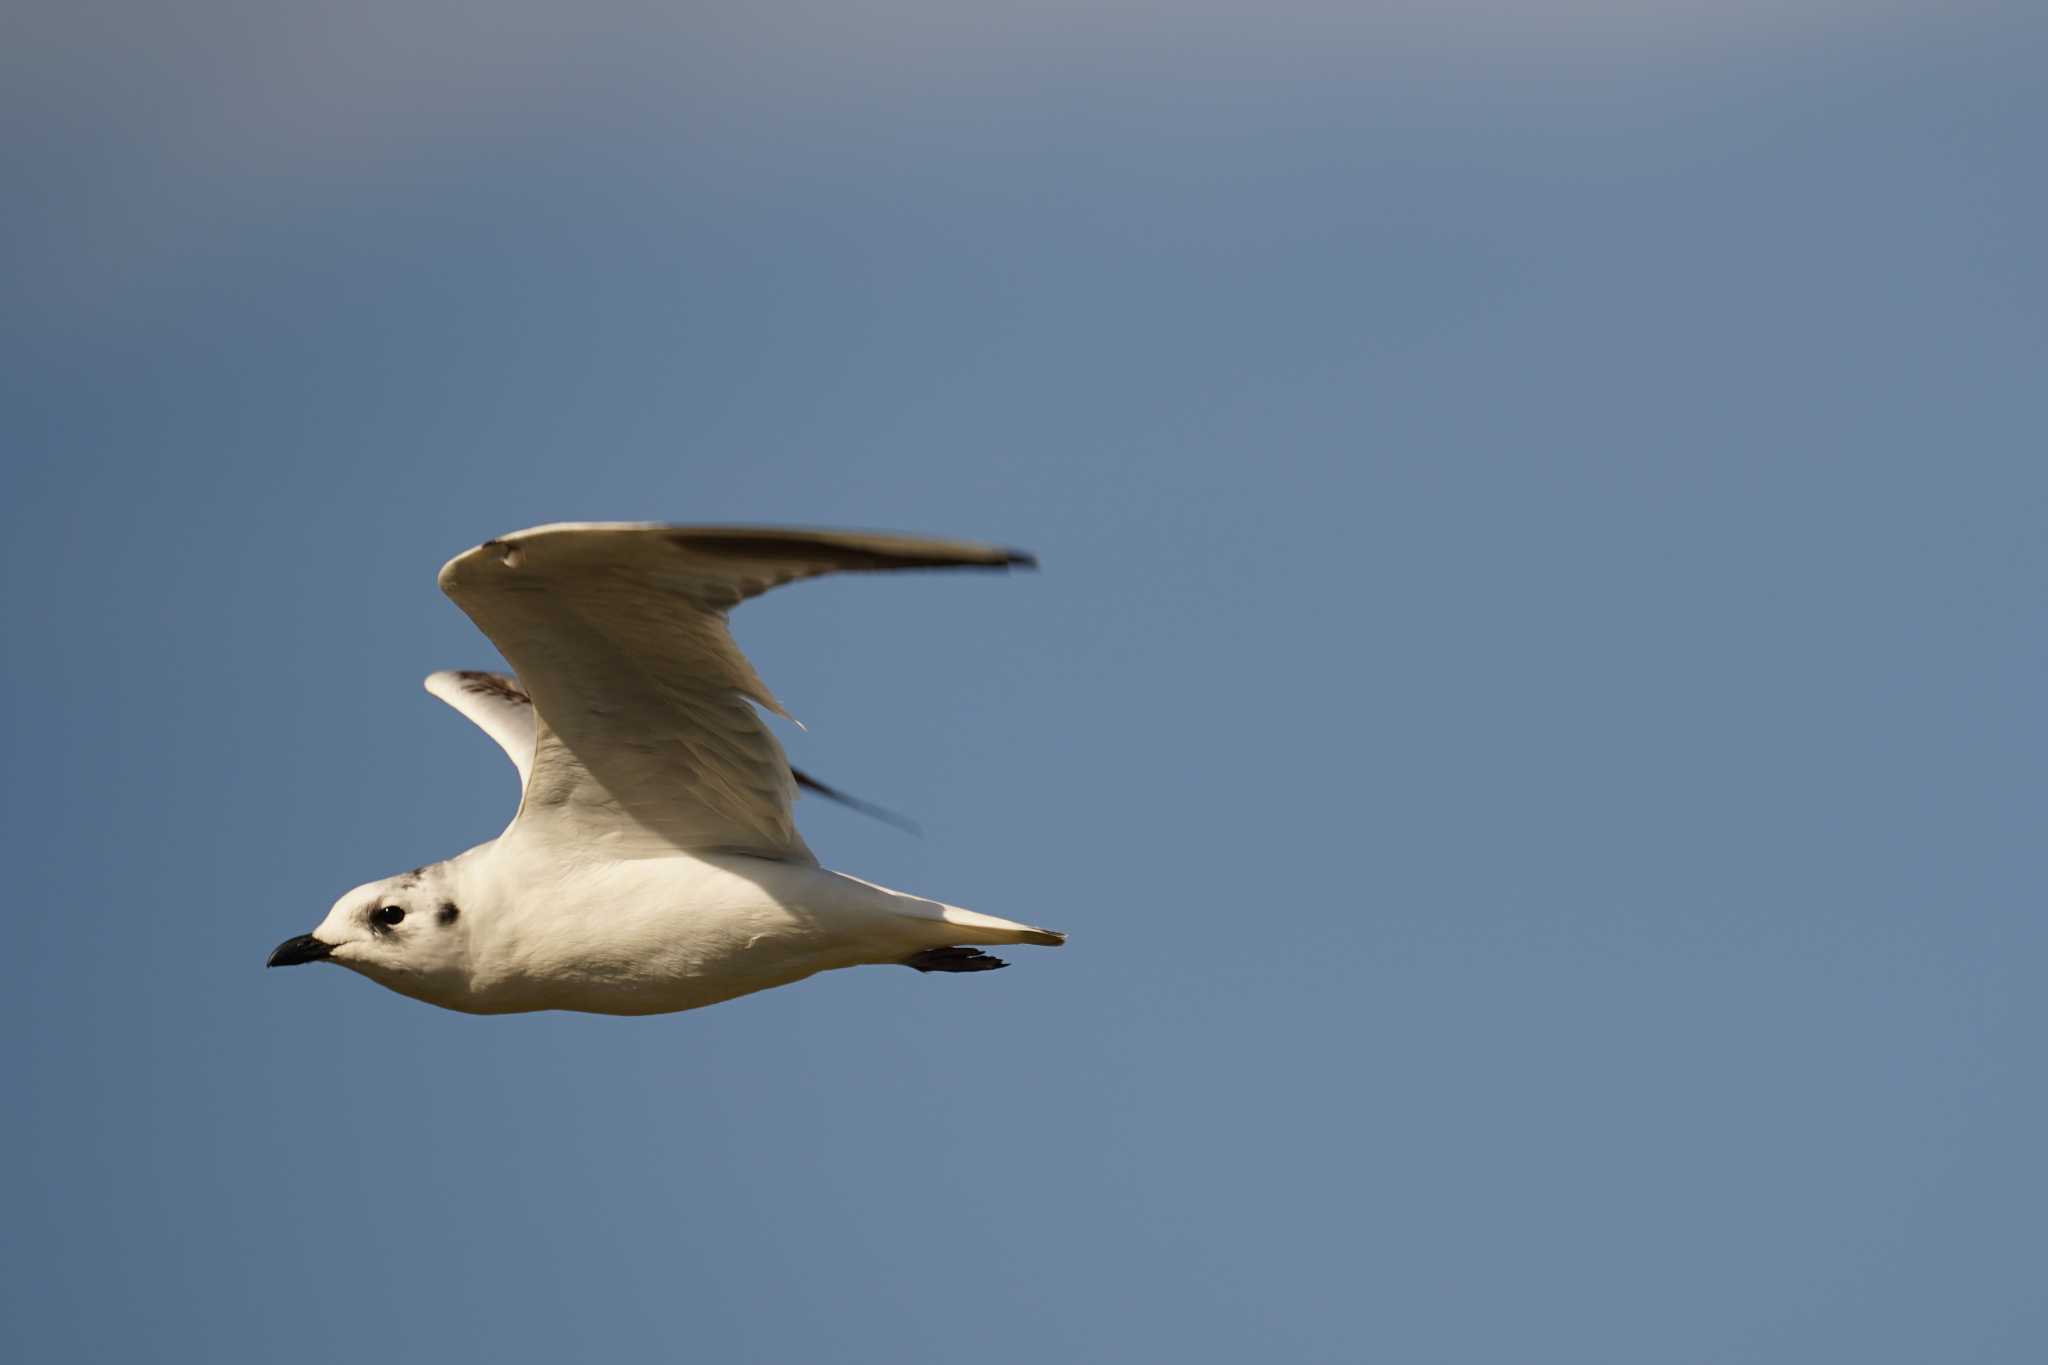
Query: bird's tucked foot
point(953, 960)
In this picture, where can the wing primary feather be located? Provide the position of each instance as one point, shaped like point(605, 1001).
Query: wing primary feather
point(868, 808)
point(846, 552)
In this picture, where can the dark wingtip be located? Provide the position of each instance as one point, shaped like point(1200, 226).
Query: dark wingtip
point(845, 551)
point(868, 808)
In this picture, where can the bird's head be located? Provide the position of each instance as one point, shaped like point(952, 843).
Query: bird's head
point(404, 932)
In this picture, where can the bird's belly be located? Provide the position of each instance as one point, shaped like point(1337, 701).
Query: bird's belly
point(654, 952)
point(703, 966)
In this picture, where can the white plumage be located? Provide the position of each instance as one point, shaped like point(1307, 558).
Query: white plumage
point(654, 863)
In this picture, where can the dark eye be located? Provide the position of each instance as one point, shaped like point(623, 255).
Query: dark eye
point(389, 915)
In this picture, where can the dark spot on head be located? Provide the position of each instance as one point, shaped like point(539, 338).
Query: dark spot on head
point(447, 913)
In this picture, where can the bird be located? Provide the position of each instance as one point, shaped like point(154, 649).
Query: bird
point(653, 864)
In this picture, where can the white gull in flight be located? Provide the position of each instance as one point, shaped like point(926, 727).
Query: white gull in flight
point(654, 864)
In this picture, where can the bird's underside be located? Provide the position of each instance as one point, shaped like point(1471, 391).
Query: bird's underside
point(654, 862)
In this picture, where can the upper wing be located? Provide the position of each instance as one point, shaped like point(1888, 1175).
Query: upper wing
point(505, 713)
point(645, 737)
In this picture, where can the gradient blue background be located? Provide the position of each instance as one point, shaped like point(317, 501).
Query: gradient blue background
point(1532, 714)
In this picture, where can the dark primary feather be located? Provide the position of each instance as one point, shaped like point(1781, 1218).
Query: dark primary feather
point(868, 808)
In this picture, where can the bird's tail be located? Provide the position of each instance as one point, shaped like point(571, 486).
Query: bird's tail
point(958, 925)
point(974, 927)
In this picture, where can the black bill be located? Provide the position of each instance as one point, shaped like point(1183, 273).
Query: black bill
point(293, 951)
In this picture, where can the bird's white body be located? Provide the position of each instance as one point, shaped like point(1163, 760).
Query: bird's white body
point(644, 935)
point(654, 864)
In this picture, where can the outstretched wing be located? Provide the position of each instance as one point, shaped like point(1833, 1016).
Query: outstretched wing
point(645, 736)
point(498, 706)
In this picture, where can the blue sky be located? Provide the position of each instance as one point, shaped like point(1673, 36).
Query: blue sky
point(1531, 714)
